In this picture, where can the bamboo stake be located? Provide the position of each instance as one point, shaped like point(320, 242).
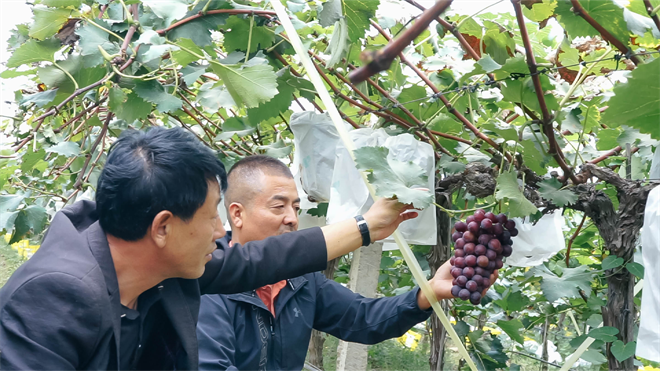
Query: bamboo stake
point(406, 252)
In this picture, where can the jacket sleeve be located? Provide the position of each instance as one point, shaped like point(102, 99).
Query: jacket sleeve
point(51, 322)
point(352, 317)
point(215, 335)
point(252, 265)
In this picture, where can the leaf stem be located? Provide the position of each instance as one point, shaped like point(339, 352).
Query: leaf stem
point(75, 83)
point(247, 52)
point(104, 29)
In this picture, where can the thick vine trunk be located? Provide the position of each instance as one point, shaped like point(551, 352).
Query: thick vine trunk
point(438, 255)
point(315, 351)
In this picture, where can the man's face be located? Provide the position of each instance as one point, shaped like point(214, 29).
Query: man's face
point(273, 210)
point(191, 243)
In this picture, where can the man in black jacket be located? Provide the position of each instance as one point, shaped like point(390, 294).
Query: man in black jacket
point(116, 284)
point(269, 328)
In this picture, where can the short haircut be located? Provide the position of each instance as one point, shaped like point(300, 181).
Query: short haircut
point(148, 172)
point(243, 177)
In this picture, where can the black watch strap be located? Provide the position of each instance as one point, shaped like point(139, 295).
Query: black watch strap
point(364, 230)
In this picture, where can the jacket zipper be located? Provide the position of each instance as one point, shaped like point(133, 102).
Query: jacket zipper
point(272, 330)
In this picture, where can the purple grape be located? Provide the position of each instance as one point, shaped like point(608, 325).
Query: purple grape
point(499, 264)
point(468, 272)
point(486, 224)
point(459, 262)
point(502, 218)
point(475, 298)
point(464, 294)
point(480, 250)
point(456, 235)
point(471, 260)
point(484, 238)
point(458, 244)
point(460, 226)
point(489, 215)
point(451, 260)
point(486, 283)
point(461, 280)
point(506, 235)
point(479, 215)
point(471, 285)
point(478, 279)
point(473, 227)
point(456, 272)
point(498, 229)
point(510, 225)
point(459, 254)
point(469, 249)
point(482, 261)
point(506, 251)
point(491, 255)
point(469, 236)
point(482, 272)
point(469, 219)
point(495, 244)
point(514, 232)
point(491, 266)
point(455, 290)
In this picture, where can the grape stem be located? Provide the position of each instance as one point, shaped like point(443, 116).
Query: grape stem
point(454, 212)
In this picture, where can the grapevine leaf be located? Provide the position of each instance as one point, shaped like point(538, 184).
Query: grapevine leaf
point(169, 10)
point(612, 261)
point(235, 126)
point(116, 98)
point(393, 178)
point(278, 149)
point(62, 3)
point(637, 103)
point(606, 333)
point(568, 285)
point(134, 108)
point(199, 30)
point(91, 38)
point(594, 356)
point(330, 13)
point(338, 43)
point(152, 91)
point(445, 124)
point(31, 158)
point(605, 12)
point(249, 84)
point(278, 104)
point(322, 210)
point(550, 189)
point(39, 99)
point(607, 139)
point(512, 328)
point(636, 269)
point(182, 56)
point(31, 218)
point(497, 43)
point(488, 64)
point(10, 202)
point(213, 98)
point(357, 15)
point(47, 21)
point(68, 149)
point(239, 34)
point(622, 352)
point(507, 187)
point(34, 51)
point(540, 11)
point(191, 73)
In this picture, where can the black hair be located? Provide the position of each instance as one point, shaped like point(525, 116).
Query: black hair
point(261, 162)
point(148, 172)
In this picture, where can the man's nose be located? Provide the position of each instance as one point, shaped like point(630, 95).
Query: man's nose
point(219, 230)
point(291, 217)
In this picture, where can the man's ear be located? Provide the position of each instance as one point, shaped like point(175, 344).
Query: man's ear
point(236, 214)
point(161, 228)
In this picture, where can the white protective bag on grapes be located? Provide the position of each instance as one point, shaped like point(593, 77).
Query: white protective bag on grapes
point(315, 138)
point(349, 195)
point(537, 243)
point(648, 339)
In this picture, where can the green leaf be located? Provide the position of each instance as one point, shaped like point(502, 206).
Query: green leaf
point(135, 108)
point(39, 99)
point(393, 178)
point(62, 3)
point(249, 84)
point(445, 124)
point(533, 158)
point(10, 202)
point(199, 30)
point(637, 103)
point(34, 51)
point(452, 167)
point(330, 13)
point(488, 64)
point(540, 11)
point(169, 10)
point(358, 13)
point(214, 98)
point(636, 269)
point(566, 286)
point(512, 328)
point(191, 73)
point(31, 158)
point(235, 126)
point(31, 218)
point(622, 352)
point(278, 149)
point(47, 21)
point(607, 139)
point(462, 328)
point(605, 12)
point(181, 56)
point(68, 149)
point(507, 187)
point(550, 189)
point(338, 43)
point(237, 38)
point(91, 37)
point(497, 42)
point(321, 210)
point(152, 91)
point(280, 103)
point(594, 356)
point(606, 333)
point(116, 98)
point(10, 74)
point(612, 261)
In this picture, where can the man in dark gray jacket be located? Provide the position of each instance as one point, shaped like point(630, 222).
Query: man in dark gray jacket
point(269, 328)
point(116, 284)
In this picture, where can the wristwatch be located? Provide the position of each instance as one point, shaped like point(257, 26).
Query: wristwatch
point(364, 230)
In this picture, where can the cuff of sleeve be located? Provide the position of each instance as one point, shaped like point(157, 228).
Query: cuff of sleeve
point(413, 303)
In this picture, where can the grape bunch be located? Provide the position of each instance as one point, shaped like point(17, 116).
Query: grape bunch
point(480, 244)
